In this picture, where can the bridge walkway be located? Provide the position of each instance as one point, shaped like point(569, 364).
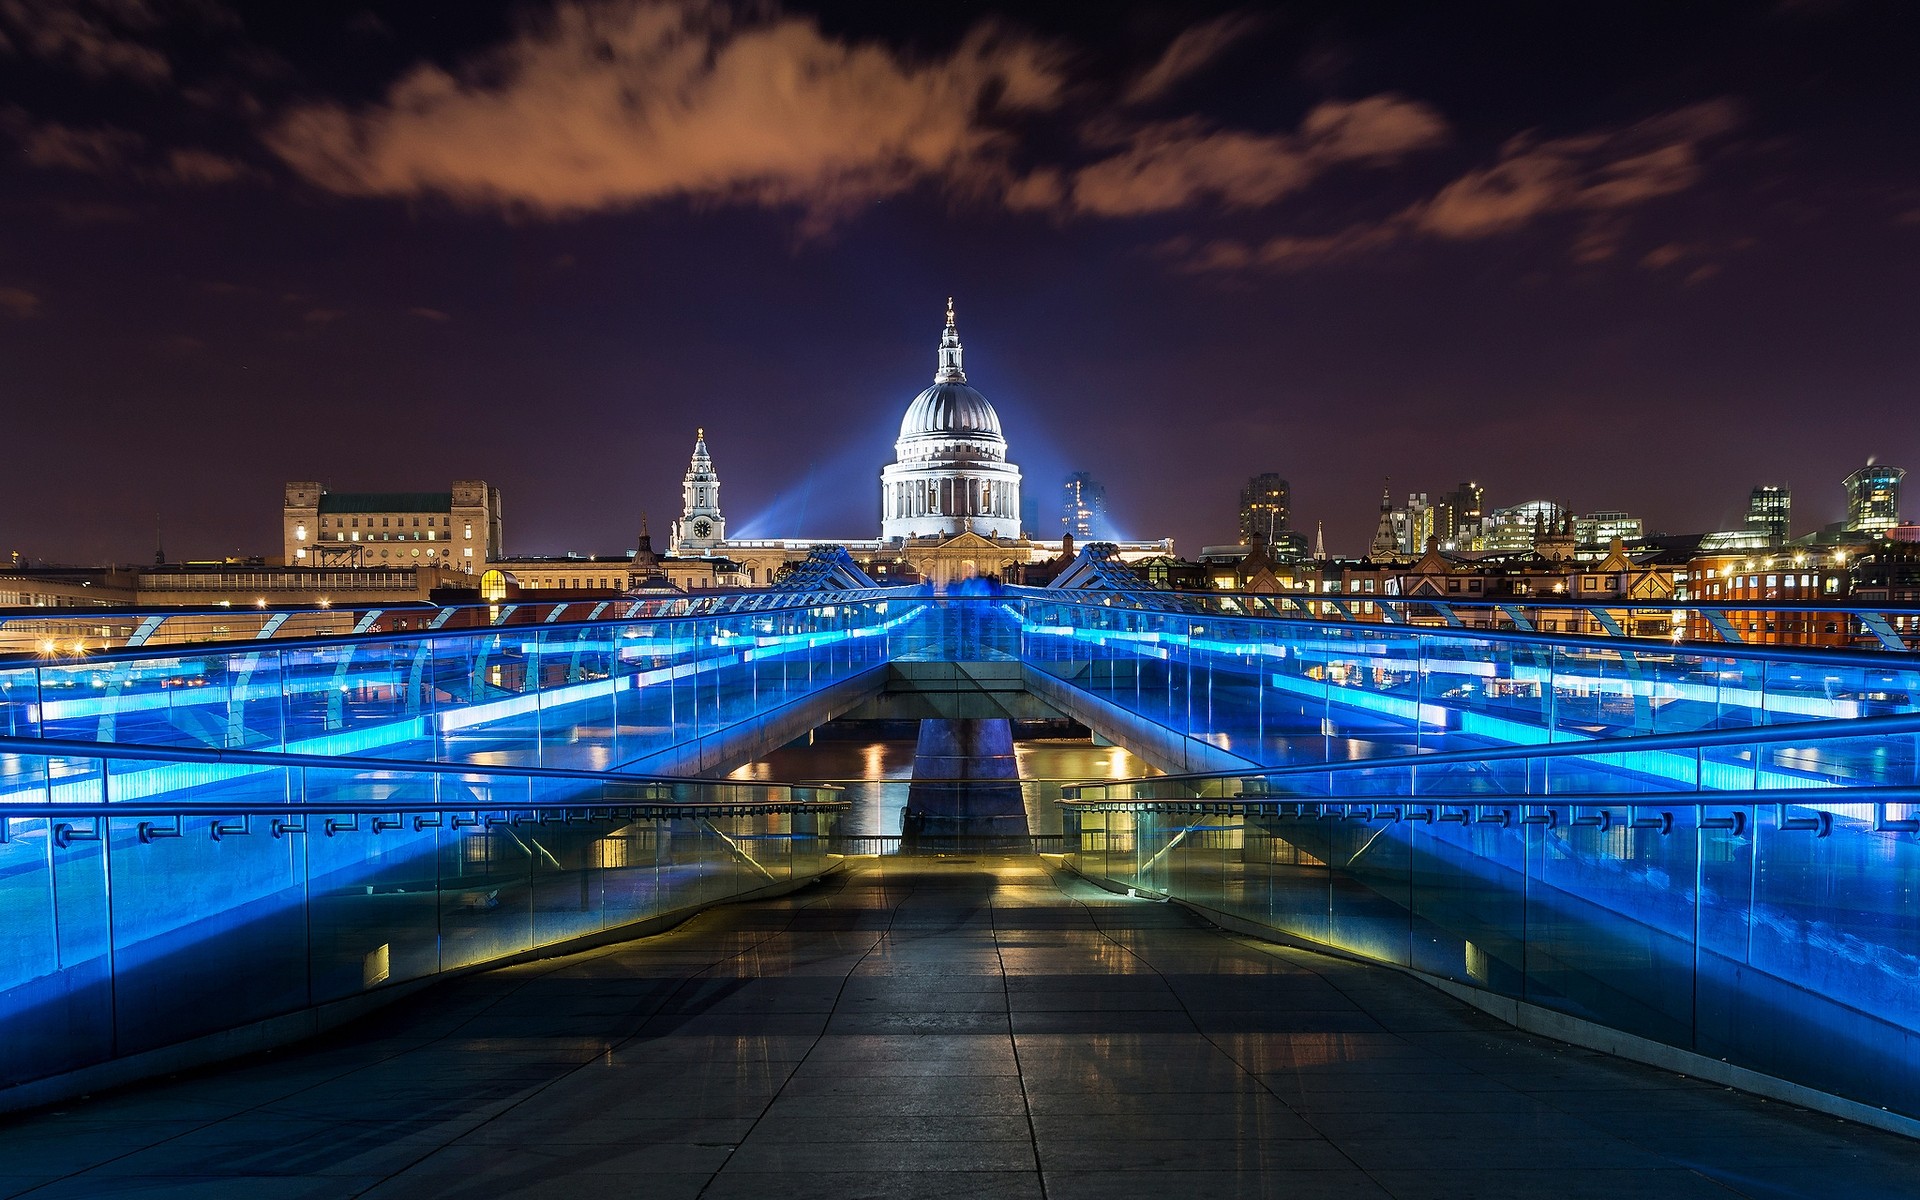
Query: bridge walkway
point(981, 1027)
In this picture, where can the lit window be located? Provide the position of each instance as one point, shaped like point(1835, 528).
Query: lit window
point(356, 535)
point(300, 532)
point(468, 552)
point(469, 530)
point(431, 534)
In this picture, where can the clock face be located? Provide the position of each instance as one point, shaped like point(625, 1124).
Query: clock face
point(701, 528)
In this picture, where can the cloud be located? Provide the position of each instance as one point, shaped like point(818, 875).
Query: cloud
point(204, 168)
point(1189, 53)
point(1595, 172)
point(429, 314)
point(108, 150)
point(322, 317)
point(19, 302)
point(95, 38)
point(1597, 176)
point(104, 150)
point(1177, 164)
point(602, 107)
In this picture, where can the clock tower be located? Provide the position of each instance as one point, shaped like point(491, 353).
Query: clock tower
point(700, 527)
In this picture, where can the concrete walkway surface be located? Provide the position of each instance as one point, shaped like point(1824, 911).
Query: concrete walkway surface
point(979, 1028)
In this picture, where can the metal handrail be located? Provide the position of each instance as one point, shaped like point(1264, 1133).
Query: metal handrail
point(1797, 731)
point(252, 643)
point(1770, 651)
point(255, 808)
point(1479, 808)
point(129, 752)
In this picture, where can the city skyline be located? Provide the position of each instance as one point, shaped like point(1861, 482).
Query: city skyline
point(1221, 240)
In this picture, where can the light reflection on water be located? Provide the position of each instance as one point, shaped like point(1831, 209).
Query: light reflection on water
point(876, 774)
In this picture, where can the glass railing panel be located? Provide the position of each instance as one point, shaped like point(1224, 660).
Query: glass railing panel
point(371, 698)
point(1469, 901)
point(577, 684)
point(1611, 918)
point(1626, 772)
point(1370, 885)
point(208, 912)
point(56, 951)
point(230, 701)
point(1298, 873)
point(1816, 691)
point(1832, 920)
point(20, 702)
point(373, 879)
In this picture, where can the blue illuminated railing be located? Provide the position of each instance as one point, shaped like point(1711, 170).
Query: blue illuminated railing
point(267, 885)
point(591, 695)
point(1759, 909)
point(600, 694)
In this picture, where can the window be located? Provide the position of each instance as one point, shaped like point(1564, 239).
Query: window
point(383, 522)
point(416, 522)
point(356, 525)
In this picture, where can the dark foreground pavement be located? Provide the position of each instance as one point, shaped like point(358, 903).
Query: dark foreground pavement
point(978, 1028)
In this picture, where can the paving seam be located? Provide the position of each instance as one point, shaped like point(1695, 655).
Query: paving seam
point(562, 964)
point(215, 1069)
point(1054, 874)
point(893, 915)
point(1020, 1071)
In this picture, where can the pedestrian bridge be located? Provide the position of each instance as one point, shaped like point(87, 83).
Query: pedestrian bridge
point(224, 830)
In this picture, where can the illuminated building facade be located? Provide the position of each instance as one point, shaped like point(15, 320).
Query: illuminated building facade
point(1083, 507)
point(950, 475)
point(1770, 513)
point(457, 530)
point(701, 526)
point(1873, 499)
point(1266, 507)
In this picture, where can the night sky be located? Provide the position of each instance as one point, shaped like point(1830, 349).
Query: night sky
point(1621, 255)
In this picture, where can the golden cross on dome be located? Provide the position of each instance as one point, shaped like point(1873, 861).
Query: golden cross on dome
point(949, 310)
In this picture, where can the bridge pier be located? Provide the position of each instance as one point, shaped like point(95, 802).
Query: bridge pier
point(966, 785)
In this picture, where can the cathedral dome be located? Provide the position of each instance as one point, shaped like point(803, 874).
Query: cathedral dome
point(950, 473)
point(951, 410)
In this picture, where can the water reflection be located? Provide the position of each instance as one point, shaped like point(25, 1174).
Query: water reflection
point(876, 772)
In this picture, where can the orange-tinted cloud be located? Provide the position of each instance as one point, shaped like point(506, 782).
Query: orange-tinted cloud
point(19, 302)
point(1175, 164)
point(91, 37)
point(610, 106)
point(1597, 176)
point(107, 150)
point(1188, 53)
point(103, 150)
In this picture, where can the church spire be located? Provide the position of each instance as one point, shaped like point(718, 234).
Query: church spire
point(1385, 544)
point(700, 525)
point(950, 371)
